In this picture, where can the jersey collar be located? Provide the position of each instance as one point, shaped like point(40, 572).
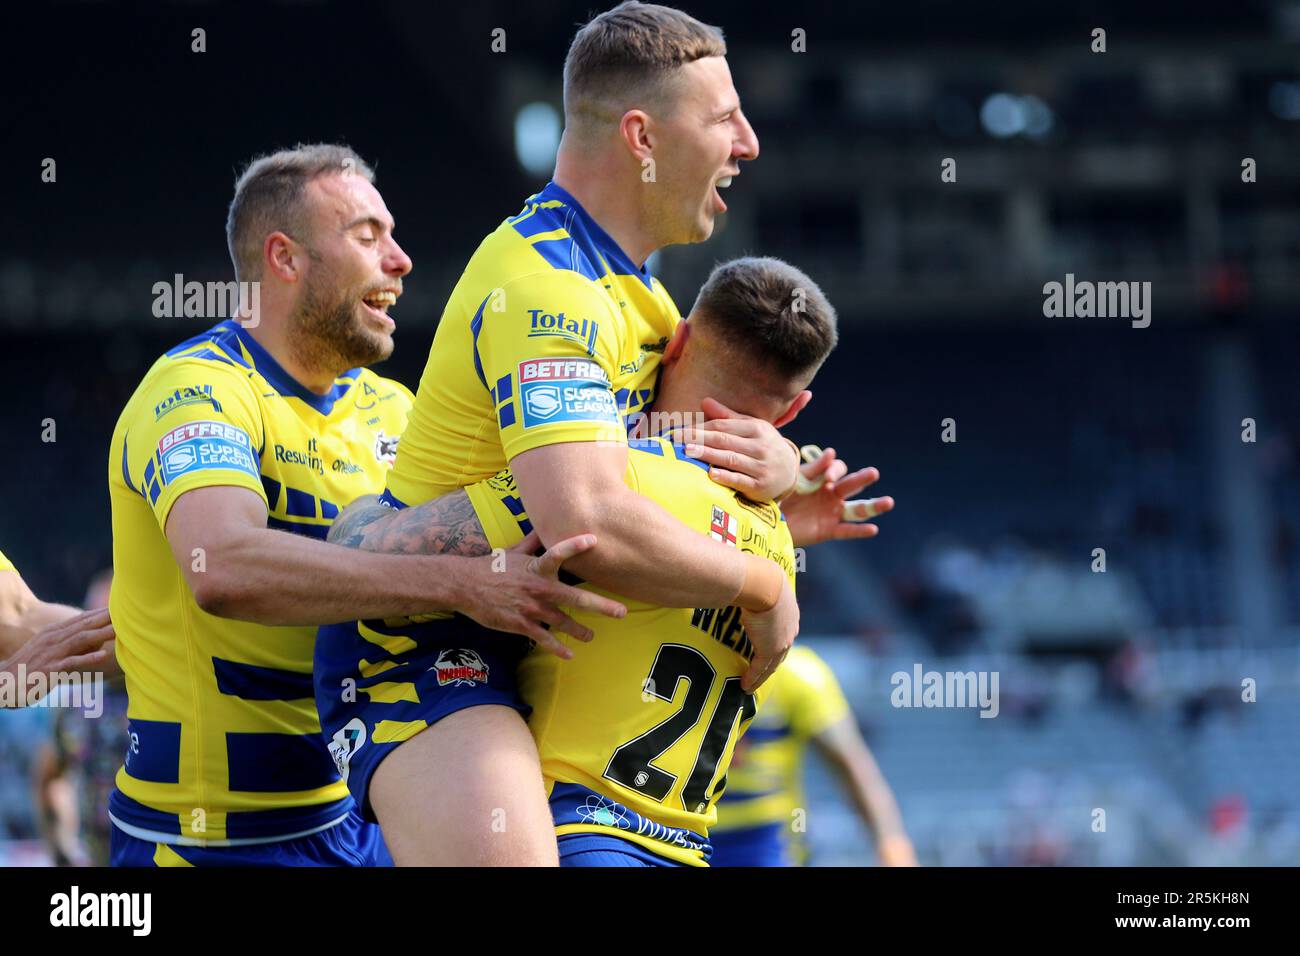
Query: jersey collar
point(619, 261)
point(282, 381)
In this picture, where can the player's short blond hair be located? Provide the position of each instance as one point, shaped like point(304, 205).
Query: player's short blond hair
point(268, 197)
point(626, 58)
point(770, 313)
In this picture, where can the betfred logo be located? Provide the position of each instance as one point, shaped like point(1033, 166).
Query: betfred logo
point(203, 429)
point(565, 390)
point(460, 665)
point(548, 370)
point(198, 446)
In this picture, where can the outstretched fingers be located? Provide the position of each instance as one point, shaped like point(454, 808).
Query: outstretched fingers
point(548, 564)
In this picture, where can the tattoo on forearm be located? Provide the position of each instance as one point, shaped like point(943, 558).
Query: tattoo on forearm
point(446, 525)
point(349, 528)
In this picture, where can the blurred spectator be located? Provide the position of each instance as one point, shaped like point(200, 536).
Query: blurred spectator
point(76, 766)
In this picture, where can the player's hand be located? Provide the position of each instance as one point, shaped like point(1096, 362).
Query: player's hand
point(526, 593)
point(772, 633)
point(747, 454)
point(79, 644)
point(820, 515)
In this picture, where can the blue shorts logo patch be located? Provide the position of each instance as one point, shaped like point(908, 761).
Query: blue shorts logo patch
point(565, 390)
point(195, 446)
point(460, 666)
point(347, 741)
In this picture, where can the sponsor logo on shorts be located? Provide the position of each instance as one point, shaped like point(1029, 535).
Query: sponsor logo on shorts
point(604, 812)
point(565, 390)
point(195, 446)
point(598, 810)
point(460, 666)
point(346, 742)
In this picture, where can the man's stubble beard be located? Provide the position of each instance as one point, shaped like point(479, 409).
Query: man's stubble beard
point(329, 335)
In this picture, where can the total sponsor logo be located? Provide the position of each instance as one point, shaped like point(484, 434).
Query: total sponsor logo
point(584, 331)
point(460, 666)
point(186, 395)
point(565, 390)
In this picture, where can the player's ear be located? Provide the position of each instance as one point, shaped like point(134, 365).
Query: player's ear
point(634, 131)
point(673, 351)
point(280, 256)
point(800, 400)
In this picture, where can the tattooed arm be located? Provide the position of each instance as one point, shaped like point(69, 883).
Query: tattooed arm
point(446, 525)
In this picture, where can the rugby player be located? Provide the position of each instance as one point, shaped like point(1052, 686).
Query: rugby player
point(759, 818)
point(635, 730)
point(42, 638)
point(550, 341)
point(226, 469)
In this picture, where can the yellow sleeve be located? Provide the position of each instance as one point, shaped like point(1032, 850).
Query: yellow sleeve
point(499, 508)
point(5, 563)
point(194, 425)
point(546, 345)
point(815, 698)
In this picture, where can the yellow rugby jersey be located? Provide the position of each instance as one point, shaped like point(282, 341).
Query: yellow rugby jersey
point(765, 785)
point(225, 743)
point(5, 563)
point(551, 335)
point(636, 732)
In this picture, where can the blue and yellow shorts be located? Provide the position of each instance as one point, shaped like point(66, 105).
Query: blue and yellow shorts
point(379, 685)
point(351, 842)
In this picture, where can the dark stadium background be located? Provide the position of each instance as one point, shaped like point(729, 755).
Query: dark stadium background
point(1119, 690)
